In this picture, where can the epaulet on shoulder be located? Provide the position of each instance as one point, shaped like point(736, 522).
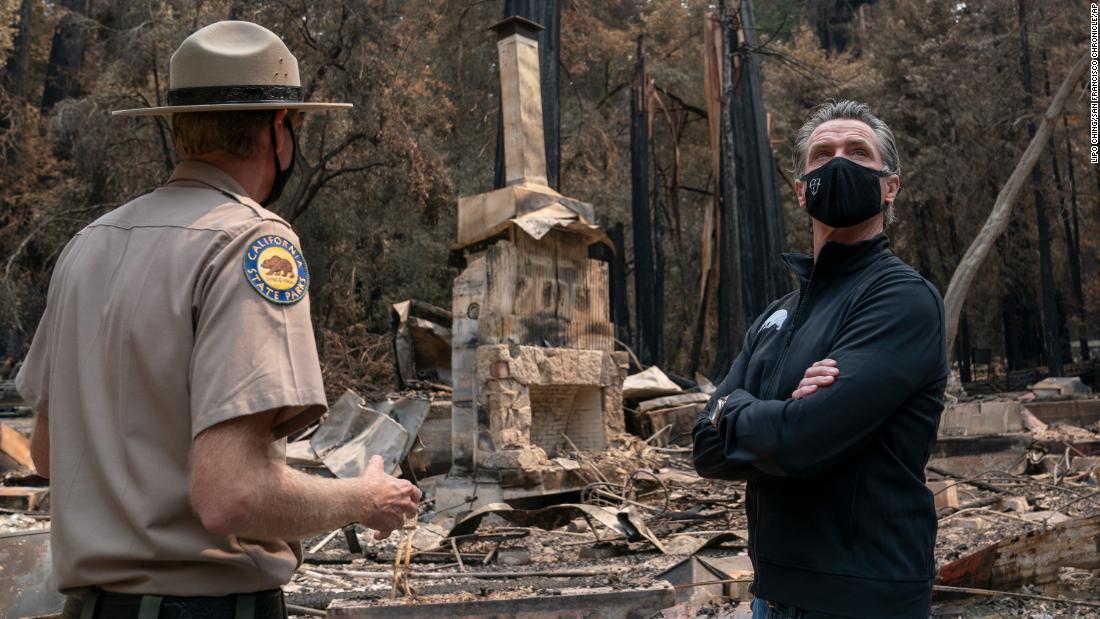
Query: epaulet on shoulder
point(262, 213)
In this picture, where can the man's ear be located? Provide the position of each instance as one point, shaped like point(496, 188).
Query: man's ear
point(800, 191)
point(281, 137)
point(893, 186)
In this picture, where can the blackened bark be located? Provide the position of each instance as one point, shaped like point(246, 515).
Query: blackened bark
point(546, 13)
point(1046, 269)
point(730, 307)
point(760, 217)
point(66, 56)
point(15, 69)
point(962, 350)
point(645, 343)
point(620, 308)
point(1020, 316)
point(1067, 230)
point(659, 277)
point(1073, 242)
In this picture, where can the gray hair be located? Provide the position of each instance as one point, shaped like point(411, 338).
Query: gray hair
point(852, 110)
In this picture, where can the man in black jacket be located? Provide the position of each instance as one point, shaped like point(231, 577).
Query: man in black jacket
point(831, 409)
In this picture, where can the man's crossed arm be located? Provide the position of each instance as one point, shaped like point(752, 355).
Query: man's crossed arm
point(890, 347)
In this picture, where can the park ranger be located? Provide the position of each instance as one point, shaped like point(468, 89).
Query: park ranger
point(176, 353)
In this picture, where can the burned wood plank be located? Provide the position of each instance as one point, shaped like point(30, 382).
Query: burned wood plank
point(595, 603)
point(15, 445)
point(1032, 558)
point(22, 497)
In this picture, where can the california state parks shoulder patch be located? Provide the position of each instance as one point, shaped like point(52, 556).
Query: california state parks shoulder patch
point(276, 269)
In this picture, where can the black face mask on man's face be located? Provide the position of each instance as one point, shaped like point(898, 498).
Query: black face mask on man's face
point(843, 193)
point(281, 175)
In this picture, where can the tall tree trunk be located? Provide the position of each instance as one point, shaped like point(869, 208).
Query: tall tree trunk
point(962, 351)
point(730, 312)
point(1046, 267)
point(713, 61)
point(1060, 188)
point(546, 13)
point(1000, 216)
point(66, 55)
point(620, 308)
point(963, 345)
point(659, 268)
point(1074, 243)
point(760, 216)
point(15, 69)
point(645, 318)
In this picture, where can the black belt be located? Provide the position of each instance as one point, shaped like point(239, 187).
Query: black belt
point(106, 604)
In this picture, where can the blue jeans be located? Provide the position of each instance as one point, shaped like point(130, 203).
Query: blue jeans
point(762, 609)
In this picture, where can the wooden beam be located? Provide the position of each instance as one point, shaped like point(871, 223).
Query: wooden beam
point(22, 497)
point(15, 445)
point(1036, 557)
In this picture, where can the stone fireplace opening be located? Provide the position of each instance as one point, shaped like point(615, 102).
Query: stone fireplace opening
point(575, 411)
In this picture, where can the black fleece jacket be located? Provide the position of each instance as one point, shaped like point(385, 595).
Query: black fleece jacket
point(840, 520)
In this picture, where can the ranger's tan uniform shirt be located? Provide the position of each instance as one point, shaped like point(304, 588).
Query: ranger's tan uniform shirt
point(153, 333)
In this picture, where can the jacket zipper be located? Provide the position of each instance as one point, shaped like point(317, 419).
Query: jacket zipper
point(803, 293)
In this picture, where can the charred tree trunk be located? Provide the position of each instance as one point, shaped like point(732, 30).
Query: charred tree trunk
point(760, 217)
point(645, 318)
point(730, 312)
point(1071, 249)
point(962, 351)
point(1073, 242)
point(547, 13)
point(659, 278)
point(15, 69)
point(1046, 268)
point(963, 345)
point(66, 55)
point(620, 308)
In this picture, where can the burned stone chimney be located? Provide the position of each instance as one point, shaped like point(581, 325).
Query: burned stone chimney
point(533, 363)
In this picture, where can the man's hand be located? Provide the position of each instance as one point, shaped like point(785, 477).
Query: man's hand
point(265, 499)
point(820, 374)
point(392, 500)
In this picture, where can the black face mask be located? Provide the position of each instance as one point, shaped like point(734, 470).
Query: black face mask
point(281, 175)
point(843, 193)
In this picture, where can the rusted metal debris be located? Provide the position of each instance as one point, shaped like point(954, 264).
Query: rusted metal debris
point(25, 575)
point(625, 522)
point(422, 345)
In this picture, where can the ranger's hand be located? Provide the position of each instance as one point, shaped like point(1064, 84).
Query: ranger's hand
point(820, 374)
point(392, 500)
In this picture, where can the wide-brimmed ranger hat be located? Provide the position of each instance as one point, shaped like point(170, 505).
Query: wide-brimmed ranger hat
point(232, 66)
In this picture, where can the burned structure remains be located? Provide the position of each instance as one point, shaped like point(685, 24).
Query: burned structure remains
point(533, 362)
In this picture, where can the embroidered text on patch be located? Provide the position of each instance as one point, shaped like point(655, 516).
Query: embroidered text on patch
point(276, 269)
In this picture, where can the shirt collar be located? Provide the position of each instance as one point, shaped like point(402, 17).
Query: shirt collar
point(836, 257)
point(207, 174)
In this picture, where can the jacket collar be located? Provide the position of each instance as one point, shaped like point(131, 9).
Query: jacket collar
point(837, 258)
point(207, 174)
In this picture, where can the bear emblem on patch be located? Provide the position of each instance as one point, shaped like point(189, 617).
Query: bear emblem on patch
point(276, 269)
point(775, 320)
